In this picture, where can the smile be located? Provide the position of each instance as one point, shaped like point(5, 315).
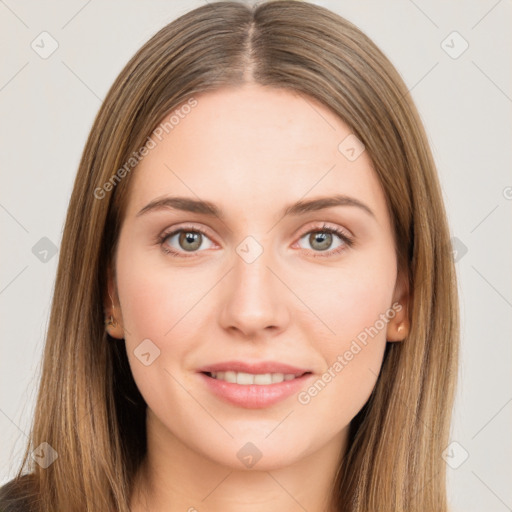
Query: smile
point(245, 379)
point(254, 391)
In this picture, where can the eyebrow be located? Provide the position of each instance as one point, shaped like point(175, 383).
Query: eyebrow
point(188, 204)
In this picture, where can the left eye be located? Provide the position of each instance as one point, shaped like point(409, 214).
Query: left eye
point(322, 240)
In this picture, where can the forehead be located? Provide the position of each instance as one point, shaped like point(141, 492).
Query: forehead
point(251, 146)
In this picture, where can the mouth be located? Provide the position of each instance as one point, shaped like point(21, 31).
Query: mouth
point(255, 386)
point(258, 379)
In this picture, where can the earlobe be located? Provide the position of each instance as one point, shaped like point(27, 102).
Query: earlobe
point(398, 326)
point(397, 330)
point(113, 318)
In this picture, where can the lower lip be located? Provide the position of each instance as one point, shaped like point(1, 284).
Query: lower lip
point(255, 396)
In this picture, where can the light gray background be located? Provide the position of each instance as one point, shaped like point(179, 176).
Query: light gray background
point(47, 107)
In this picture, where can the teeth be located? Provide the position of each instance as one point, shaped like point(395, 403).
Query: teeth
point(249, 378)
point(277, 377)
point(228, 376)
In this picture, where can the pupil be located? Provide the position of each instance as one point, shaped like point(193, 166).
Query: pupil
point(189, 237)
point(323, 238)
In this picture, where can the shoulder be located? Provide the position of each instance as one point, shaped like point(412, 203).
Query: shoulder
point(17, 495)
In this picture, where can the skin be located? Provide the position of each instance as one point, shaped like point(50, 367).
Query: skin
point(252, 151)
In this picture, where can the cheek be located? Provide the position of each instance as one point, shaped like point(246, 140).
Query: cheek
point(166, 306)
point(152, 297)
point(355, 303)
point(154, 308)
point(351, 298)
point(352, 355)
point(360, 306)
point(342, 390)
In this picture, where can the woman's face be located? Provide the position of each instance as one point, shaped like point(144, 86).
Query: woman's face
point(253, 283)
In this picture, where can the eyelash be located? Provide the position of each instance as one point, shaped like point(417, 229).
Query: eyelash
point(348, 240)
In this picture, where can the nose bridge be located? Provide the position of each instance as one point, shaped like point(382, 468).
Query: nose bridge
point(254, 301)
point(253, 281)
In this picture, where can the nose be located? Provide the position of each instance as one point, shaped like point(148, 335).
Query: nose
point(254, 302)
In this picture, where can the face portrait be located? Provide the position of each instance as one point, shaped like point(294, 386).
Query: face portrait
point(256, 301)
point(310, 281)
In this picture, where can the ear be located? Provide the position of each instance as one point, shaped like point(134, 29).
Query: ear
point(399, 326)
point(112, 309)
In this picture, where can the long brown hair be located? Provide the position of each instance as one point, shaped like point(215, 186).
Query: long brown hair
point(88, 407)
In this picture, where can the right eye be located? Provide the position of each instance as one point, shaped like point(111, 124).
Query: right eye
point(180, 241)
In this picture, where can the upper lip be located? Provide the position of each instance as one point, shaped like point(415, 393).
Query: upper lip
point(260, 367)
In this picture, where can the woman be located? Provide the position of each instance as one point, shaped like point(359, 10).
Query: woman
point(255, 305)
